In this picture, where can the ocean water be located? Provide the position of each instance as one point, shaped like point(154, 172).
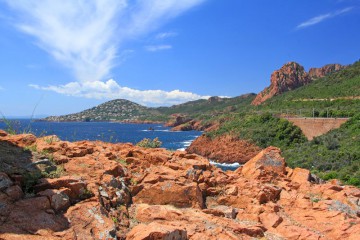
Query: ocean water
point(112, 132)
point(107, 131)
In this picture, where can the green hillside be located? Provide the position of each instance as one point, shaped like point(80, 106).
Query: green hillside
point(115, 110)
point(331, 95)
point(333, 155)
point(212, 105)
point(124, 110)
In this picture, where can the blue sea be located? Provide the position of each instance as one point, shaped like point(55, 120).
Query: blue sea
point(106, 131)
point(111, 132)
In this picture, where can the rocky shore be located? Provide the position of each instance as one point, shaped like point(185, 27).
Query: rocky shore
point(52, 189)
point(224, 149)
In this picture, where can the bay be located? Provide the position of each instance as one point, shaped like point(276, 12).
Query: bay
point(106, 131)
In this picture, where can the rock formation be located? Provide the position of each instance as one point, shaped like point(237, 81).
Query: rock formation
point(97, 190)
point(291, 76)
point(315, 73)
point(224, 149)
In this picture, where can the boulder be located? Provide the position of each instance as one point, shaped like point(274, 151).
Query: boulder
point(157, 231)
point(5, 181)
point(301, 176)
point(268, 163)
point(14, 192)
point(173, 193)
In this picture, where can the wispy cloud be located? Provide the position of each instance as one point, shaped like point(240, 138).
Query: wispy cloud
point(111, 89)
point(88, 36)
point(323, 17)
point(165, 35)
point(155, 48)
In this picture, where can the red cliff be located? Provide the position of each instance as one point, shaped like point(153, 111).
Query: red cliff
point(290, 76)
point(315, 73)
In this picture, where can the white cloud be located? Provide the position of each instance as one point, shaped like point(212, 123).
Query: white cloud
point(165, 35)
point(111, 90)
point(88, 36)
point(155, 48)
point(323, 17)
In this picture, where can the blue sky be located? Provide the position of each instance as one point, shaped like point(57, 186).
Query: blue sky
point(60, 57)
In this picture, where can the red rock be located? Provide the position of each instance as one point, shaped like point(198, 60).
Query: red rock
point(232, 190)
point(251, 231)
point(3, 133)
point(58, 200)
point(224, 149)
point(267, 163)
point(22, 139)
point(270, 220)
point(288, 77)
point(264, 197)
point(301, 176)
point(163, 193)
point(315, 73)
point(14, 192)
point(156, 231)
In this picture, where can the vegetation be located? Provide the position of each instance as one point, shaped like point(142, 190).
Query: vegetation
point(148, 143)
point(124, 110)
point(115, 110)
point(333, 155)
point(336, 95)
point(263, 130)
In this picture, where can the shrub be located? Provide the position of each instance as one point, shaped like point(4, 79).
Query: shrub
point(148, 143)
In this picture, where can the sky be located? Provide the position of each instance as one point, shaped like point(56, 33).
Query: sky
point(61, 57)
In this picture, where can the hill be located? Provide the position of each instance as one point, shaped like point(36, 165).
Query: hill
point(115, 110)
point(127, 111)
point(335, 154)
point(336, 95)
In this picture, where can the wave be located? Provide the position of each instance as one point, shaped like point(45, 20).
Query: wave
point(148, 130)
point(187, 143)
point(181, 149)
point(225, 166)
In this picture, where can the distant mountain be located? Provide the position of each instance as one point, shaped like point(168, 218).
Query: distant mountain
point(115, 110)
point(127, 111)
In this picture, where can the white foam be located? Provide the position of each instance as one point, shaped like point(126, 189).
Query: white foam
point(187, 143)
point(232, 165)
point(181, 149)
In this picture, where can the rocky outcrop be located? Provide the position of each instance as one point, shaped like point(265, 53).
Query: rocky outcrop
point(121, 191)
point(315, 73)
point(224, 149)
point(290, 76)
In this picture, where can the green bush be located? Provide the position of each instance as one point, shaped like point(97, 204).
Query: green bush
point(332, 155)
point(148, 143)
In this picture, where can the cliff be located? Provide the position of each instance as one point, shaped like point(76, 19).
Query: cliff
point(55, 189)
point(291, 76)
point(315, 73)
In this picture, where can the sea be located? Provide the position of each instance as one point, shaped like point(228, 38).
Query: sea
point(110, 132)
